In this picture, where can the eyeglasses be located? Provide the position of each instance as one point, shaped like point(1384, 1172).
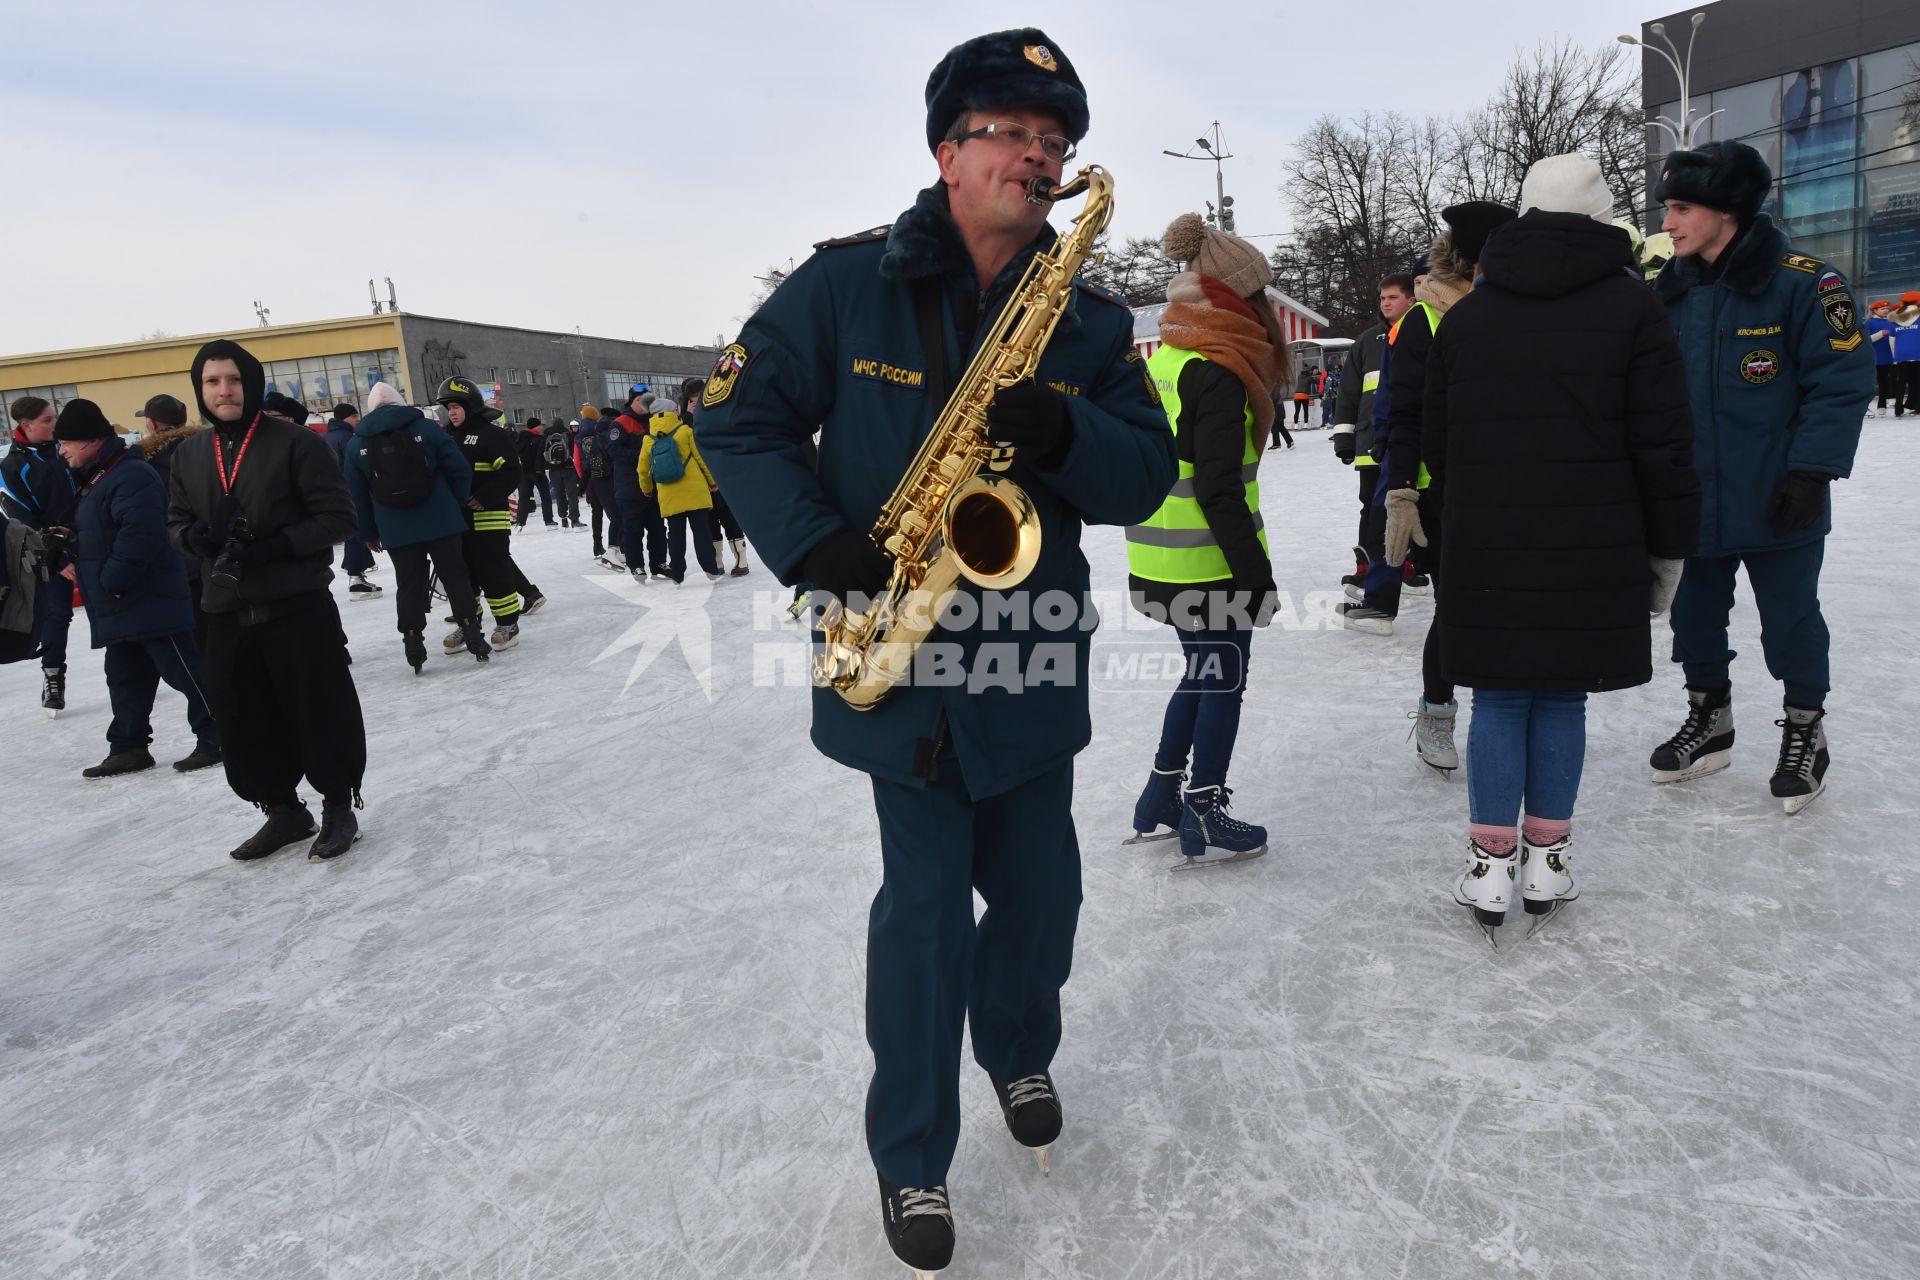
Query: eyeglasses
point(1052, 145)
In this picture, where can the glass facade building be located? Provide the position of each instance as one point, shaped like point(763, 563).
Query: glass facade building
point(1842, 138)
point(320, 382)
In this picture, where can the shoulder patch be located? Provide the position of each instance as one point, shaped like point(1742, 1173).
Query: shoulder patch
point(859, 237)
point(1101, 292)
point(1800, 262)
point(1846, 344)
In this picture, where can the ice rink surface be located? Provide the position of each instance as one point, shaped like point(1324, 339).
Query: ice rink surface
point(586, 1002)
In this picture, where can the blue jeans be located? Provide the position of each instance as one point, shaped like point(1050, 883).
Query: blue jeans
point(1203, 715)
point(1524, 745)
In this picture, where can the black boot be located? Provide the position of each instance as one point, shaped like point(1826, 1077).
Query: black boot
point(339, 829)
point(205, 755)
point(476, 639)
point(286, 824)
point(53, 688)
point(919, 1223)
point(1032, 1111)
point(416, 650)
point(119, 762)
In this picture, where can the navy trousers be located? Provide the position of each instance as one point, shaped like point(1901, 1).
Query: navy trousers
point(1793, 634)
point(643, 534)
point(56, 620)
point(135, 669)
point(931, 967)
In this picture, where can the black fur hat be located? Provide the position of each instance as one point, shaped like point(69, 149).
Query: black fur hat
point(1006, 69)
point(1728, 176)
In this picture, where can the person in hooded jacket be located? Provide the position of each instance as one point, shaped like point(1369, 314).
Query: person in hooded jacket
point(261, 502)
point(430, 528)
point(355, 558)
point(1200, 562)
point(167, 426)
point(1413, 503)
point(136, 592)
point(533, 475)
point(726, 526)
point(643, 533)
point(594, 450)
point(1780, 374)
point(686, 502)
point(1555, 421)
point(493, 455)
point(556, 447)
point(37, 490)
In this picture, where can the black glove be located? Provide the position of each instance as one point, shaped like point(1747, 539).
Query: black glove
point(1800, 500)
point(201, 540)
point(846, 564)
point(1343, 444)
point(59, 540)
point(273, 547)
point(1261, 596)
point(1032, 419)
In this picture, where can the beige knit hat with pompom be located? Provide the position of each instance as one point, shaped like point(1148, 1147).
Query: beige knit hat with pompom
point(1222, 255)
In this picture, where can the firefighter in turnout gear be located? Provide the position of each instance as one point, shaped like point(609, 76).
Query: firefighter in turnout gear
point(491, 450)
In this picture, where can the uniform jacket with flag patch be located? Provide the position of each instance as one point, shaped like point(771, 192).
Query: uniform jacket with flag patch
point(1780, 373)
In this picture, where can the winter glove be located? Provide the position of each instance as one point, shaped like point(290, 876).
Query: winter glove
point(847, 564)
point(1800, 500)
point(1343, 443)
point(273, 547)
point(1032, 419)
point(1666, 581)
point(1403, 524)
point(1262, 596)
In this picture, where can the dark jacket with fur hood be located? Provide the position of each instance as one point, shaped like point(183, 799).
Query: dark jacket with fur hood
point(1555, 416)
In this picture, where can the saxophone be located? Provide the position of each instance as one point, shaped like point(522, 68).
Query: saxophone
point(946, 521)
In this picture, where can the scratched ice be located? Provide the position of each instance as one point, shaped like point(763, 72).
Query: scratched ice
point(586, 1002)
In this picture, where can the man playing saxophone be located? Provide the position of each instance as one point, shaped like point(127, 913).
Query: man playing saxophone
point(971, 759)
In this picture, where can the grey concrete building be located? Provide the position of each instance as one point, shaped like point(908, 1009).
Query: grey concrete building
point(1829, 93)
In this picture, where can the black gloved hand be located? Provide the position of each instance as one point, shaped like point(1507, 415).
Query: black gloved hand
point(847, 564)
point(1800, 500)
point(201, 540)
point(1343, 444)
point(273, 547)
point(1260, 596)
point(1032, 419)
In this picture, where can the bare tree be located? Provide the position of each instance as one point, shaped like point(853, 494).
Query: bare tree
point(1137, 270)
point(775, 277)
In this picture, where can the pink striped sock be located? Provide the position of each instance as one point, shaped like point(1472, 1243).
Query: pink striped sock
point(1498, 841)
point(1542, 832)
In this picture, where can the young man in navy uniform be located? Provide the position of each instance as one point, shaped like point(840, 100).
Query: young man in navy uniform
point(1780, 375)
point(972, 781)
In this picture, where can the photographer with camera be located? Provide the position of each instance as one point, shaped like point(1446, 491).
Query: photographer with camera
point(261, 503)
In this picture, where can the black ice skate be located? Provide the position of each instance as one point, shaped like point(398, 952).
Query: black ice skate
point(416, 646)
point(339, 832)
point(285, 825)
point(1360, 616)
point(53, 691)
point(204, 756)
point(1158, 806)
point(1705, 742)
point(473, 640)
point(919, 1222)
point(1032, 1111)
point(1802, 772)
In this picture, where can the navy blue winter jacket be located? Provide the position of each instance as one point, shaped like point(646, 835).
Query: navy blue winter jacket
point(134, 583)
point(445, 509)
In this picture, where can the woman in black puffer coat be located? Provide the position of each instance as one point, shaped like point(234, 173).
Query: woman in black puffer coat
point(1557, 418)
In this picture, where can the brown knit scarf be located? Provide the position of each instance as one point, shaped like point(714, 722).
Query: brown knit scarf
point(1204, 315)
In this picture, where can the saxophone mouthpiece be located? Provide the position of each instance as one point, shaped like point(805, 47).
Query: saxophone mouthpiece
point(1038, 191)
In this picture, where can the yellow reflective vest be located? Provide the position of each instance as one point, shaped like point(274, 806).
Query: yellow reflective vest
point(1175, 544)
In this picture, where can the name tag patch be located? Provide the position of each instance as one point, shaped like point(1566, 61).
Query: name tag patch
point(881, 371)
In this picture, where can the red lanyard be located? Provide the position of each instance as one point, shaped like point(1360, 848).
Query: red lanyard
point(228, 480)
point(100, 473)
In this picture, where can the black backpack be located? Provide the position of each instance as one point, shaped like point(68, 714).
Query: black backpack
point(556, 448)
point(594, 448)
point(397, 470)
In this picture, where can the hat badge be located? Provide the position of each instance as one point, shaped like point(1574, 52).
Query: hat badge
point(1041, 56)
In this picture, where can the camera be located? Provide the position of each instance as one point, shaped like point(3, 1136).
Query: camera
point(229, 564)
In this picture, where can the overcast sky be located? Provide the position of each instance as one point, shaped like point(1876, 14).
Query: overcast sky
point(626, 168)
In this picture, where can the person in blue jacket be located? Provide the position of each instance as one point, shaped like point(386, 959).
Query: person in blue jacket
point(1780, 374)
point(37, 490)
point(1880, 334)
point(135, 588)
point(430, 528)
point(972, 761)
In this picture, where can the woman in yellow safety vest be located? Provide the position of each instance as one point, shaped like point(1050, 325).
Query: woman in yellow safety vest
point(1200, 563)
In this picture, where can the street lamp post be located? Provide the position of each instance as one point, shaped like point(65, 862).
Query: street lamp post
point(1216, 151)
point(1686, 129)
